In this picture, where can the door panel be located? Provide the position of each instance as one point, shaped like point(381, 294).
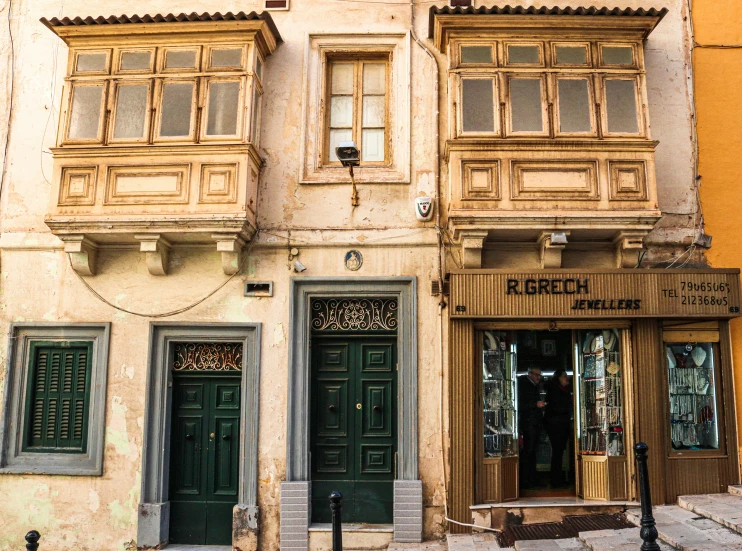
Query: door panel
point(204, 456)
point(353, 426)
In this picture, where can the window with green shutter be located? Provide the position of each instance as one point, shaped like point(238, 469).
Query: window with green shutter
point(57, 397)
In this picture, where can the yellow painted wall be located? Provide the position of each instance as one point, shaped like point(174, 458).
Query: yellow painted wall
point(718, 89)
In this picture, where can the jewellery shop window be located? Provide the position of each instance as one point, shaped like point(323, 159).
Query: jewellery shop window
point(498, 382)
point(600, 392)
point(692, 380)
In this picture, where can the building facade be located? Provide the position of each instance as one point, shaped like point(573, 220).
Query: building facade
point(212, 323)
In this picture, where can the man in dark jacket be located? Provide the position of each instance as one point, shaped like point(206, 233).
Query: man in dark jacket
point(558, 421)
point(530, 420)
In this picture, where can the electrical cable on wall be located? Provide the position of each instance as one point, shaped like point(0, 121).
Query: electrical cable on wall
point(9, 6)
point(245, 255)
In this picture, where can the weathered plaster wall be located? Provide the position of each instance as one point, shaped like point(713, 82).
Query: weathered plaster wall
point(718, 90)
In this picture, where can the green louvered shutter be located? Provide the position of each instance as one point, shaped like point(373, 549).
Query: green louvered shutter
point(57, 398)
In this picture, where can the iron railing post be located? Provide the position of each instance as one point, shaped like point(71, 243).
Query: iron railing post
point(648, 532)
point(32, 540)
point(337, 526)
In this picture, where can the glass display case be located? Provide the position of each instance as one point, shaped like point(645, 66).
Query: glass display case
point(499, 395)
point(600, 396)
point(692, 385)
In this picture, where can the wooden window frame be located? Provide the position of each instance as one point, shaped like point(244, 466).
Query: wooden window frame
point(196, 107)
point(640, 124)
point(13, 458)
point(613, 67)
point(113, 107)
point(208, 52)
point(358, 59)
point(545, 118)
point(555, 78)
point(98, 140)
point(31, 382)
point(506, 54)
point(458, 61)
point(496, 94)
point(119, 52)
point(206, 83)
point(587, 65)
point(162, 62)
point(106, 71)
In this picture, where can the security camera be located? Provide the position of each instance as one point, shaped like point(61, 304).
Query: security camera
point(348, 154)
point(299, 267)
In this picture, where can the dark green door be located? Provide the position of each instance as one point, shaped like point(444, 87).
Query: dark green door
point(204, 455)
point(354, 426)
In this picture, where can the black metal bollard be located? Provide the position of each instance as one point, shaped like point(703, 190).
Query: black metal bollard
point(32, 539)
point(648, 532)
point(337, 525)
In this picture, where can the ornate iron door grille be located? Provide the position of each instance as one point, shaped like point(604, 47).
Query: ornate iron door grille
point(354, 314)
point(207, 356)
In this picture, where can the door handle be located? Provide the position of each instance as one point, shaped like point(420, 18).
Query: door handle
point(358, 406)
point(226, 437)
point(189, 437)
point(377, 408)
point(211, 435)
point(331, 407)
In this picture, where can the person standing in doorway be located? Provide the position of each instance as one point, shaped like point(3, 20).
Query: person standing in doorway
point(530, 420)
point(558, 421)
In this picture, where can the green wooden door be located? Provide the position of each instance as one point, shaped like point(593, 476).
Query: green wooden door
point(354, 426)
point(204, 457)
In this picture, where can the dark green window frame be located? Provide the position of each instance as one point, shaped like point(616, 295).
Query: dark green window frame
point(57, 407)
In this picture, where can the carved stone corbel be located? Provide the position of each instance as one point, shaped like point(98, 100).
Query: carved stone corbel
point(157, 250)
point(551, 252)
point(628, 247)
point(82, 253)
point(472, 243)
point(230, 246)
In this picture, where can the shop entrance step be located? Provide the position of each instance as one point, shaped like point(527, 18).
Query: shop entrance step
point(687, 531)
point(725, 509)
point(626, 539)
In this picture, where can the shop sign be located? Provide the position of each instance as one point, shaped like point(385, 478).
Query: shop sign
point(618, 293)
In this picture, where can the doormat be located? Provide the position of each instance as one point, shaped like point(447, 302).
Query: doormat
point(570, 527)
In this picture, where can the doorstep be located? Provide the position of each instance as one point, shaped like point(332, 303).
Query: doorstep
point(350, 527)
point(554, 502)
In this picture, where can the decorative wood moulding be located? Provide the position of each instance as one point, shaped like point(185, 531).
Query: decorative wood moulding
point(481, 180)
point(628, 180)
point(218, 183)
point(77, 185)
point(554, 180)
point(149, 184)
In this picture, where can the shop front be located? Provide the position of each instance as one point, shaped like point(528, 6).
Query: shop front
point(555, 375)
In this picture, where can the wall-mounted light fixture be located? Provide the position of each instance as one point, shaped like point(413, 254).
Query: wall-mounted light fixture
point(349, 155)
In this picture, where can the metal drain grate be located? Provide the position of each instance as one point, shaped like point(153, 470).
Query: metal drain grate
point(568, 528)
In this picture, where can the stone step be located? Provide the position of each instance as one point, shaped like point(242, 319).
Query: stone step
point(626, 539)
point(572, 544)
point(735, 490)
point(725, 509)
point(424, 546)
point(686, 531)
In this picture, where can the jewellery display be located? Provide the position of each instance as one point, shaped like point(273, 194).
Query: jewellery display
point(690, 372)
point(498, 382)
point(600, 393)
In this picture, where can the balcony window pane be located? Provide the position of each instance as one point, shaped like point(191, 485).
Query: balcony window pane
point(478, 111)
point(620, 96)
point(131, 111)
point(476, 54)
point(571, 55)
point(525, 105)
point(86, 112)
point(618, 55)
point(693, 409)
point(342, 78)
point(337, 136)
point(87, 63)
point(226, 58)
point(224, 101)
point(181, 59)
point(341, 111)
point(135, 61)
point(523, 54)
point(374, 78)
point(574, 105)
point(372, 145)
point(177, 100)
point(374, 111)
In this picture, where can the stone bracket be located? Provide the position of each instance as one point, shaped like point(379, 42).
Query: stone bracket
point(628, 247)
point(82, 253)
point(157, 250)
point(550, 253)
point(230, 245)
point(472, 243)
